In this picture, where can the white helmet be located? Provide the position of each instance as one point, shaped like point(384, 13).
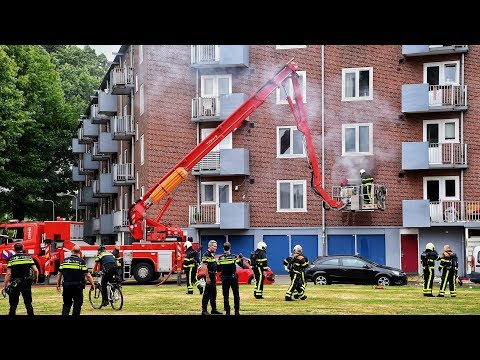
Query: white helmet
point(262, 246)
point(362, 171)
point(297, 249)
point(187, 244)
point(430, 246)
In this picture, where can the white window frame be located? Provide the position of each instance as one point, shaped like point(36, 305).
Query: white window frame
point(136, 83)
point(142, 99)
point(140, 54)
point(289, 87)
point(215, 79)
point(226, 143)
point(136, 181)
point(441, 130)
point(142, 149)
point(292, 182)
point(441, 193)
point(441, 74)
point(136, 130)
point(290, 155)
point(346, 71)
point(217, 196)
point(142, 191)
point(285, 47)
point(357, 144)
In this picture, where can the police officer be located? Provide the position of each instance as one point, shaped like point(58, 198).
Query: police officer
point(367, 183)
point(259, 262)
point(108, 264)
point(190, 266)
point(209, 265)
point(116, 253)
point(298, 282)
point(73, 271)
point(227, 265)
point(21, 273)
point(428, 258)
point(449, 269)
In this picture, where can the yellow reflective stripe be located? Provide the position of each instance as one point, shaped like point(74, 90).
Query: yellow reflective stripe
point(22, 261)
point(226, 261)
point(209, 259)
point(72, 266)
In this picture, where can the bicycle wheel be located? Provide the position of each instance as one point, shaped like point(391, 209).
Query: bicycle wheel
point(116, 298)
point(95, 297)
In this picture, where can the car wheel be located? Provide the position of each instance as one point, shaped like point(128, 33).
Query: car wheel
point(251, 280)
point(143, 273)
point(320, 279)
point(383, 280)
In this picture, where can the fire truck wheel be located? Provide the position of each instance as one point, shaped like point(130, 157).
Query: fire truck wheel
point(143, 273)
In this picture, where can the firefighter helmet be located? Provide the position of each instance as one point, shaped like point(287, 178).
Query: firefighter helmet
point(430, 246)
point(362, 171)
point(262, 246)
point(187, 244)
point(101, 247)
point(297, 249)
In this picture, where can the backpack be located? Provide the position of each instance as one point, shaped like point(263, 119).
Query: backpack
point(252, 259)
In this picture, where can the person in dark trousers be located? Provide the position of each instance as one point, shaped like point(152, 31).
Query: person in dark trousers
point(21, 273)
point(428, 258)
point(106, 262)
point(449, 269)
point(73, 271)
point(298, 282)
point(367, 183)
point(288, 265)
point(259, 262)
point(190, 266)
point(209, 264)
point(227, 265)
point(116, 253)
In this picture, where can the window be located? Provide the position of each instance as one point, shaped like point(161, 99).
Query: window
point(289, 142)
point(136, 180)
point(216, 192)
point(280, 92)
point(226, 143)
point(357, 84)
point(142, 100)
point(142, 149)
point(136, 130)
point(142, 191)
point(357, 139)
point(439, 188)
point(140, 54)
point(136, 83)
point(291, 195)
point(216, 85)
point(283, 47)
point(441, 73)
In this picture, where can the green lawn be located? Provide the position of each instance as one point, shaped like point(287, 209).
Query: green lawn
point(170, 299)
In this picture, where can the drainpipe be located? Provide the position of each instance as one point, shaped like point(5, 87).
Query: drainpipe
point(322, 109)
point(462, 212)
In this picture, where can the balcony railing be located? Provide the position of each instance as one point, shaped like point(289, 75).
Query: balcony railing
point(123, 127)
point(120, 219)
point(123, 174)
point(205, 107)
point(211, 162)
point(121, 80)
point(447, 153)
point(447, 95)
point(205, 53)
point(203, 214)
point(454, 211)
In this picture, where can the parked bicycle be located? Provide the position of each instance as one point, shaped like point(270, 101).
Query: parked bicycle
point(114, 291)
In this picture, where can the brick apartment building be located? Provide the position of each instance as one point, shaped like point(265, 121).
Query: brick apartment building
point(400, 112)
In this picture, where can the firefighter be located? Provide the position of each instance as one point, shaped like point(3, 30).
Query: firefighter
point(106, 262)
point(258, 260)
point(73, 271)
point(116, 253)
point(428, 258)
point(190, 266)
point(209, 264)
point(367, 182)
point(298, 282)
point(21, 273)
point(227, 265)
point(288, 265)
point(449, 269)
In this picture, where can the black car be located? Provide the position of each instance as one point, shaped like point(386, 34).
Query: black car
point(352, 269)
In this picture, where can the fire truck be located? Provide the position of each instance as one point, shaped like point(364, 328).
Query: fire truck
point(158, 249)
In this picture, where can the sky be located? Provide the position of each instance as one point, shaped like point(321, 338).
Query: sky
point(106, 49)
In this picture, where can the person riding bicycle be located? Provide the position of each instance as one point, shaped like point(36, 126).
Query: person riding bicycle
point(108, 265)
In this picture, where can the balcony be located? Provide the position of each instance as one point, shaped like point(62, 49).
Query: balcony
point(421, 50)
point(87, 132)
point(208, 56)
point(123, 174)
point(120, 221)
point(123, 127)
point(76, 177)
point(97, 155)
point(424, 98)
point(424, 155)
point(87, 165)
point(86, 196)
point(106, 224)
point(107, 103)
point(78, 148)
point(106, 144)
point(425, 213)
point(97, 118)
point(103, 186)
point(226, 162)
point(121, 80)
point(91, 227)
point(216, 108)
point(223, 216)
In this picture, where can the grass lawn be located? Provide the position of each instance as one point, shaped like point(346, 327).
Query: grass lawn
point(170, 299)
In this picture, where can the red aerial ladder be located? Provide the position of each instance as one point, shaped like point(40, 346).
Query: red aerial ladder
point(165, 186)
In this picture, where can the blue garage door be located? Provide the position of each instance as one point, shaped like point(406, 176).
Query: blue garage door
point(241, 244)
point(372, 247)
point(340, 244)
point(220, 239)
point(309, 244)
point(277, 250)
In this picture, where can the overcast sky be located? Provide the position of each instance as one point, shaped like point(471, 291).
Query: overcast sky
point(106, 49)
